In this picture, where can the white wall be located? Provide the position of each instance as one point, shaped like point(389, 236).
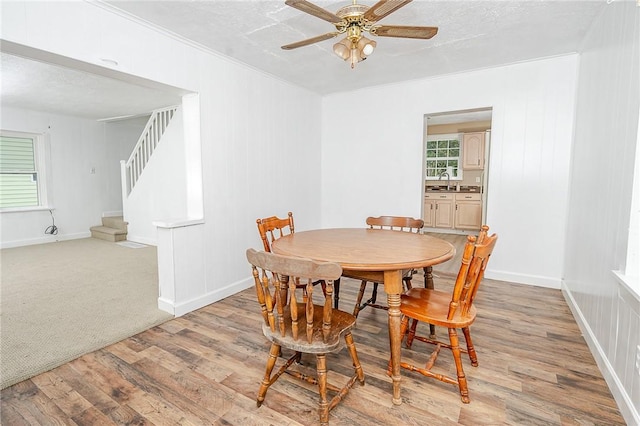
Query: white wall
point(604, 152)
point(372, 146)
point(79, 198)
point(260, 136)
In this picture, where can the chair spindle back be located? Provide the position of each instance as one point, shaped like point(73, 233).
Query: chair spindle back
point(275, 276)
point(272, 228)
point(396, 223)
point(475, 257)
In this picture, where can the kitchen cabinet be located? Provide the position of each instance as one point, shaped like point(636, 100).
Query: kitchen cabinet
point(438, 210)
point(473, 151)
point(468, 211)
point(453, 210)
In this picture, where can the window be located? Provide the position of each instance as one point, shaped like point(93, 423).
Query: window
point(22, 177)
point(443, 155)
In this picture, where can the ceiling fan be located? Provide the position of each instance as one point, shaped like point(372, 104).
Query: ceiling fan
point(354, 20)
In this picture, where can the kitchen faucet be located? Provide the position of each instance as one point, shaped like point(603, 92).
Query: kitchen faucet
point(442, 173)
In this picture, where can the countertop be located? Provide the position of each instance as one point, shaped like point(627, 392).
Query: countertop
point(443, 188)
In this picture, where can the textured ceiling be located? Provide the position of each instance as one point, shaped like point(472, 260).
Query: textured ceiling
point(472, 35)
point(42, 86)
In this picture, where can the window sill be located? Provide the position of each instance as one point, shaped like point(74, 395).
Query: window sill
point(26, 209)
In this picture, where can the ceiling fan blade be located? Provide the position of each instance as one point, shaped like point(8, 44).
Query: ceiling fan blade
point(383, 8)
point(404, 31)
point(309, 41)
point(314, 10)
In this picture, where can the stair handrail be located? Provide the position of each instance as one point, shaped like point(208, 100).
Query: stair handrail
point(146, 145)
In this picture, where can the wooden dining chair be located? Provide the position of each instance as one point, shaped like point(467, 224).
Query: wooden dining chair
point(272, 228)
point(453, 310)
point(394, 223)
point(302, 327)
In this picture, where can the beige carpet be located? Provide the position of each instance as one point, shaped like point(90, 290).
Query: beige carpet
point(61, 300)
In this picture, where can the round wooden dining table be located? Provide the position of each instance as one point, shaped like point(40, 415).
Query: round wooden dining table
point(372, 250)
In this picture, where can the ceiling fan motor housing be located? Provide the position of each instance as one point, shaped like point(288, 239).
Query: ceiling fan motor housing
point(353, 10)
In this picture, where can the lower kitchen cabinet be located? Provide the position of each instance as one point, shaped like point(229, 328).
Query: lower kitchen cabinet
point(438, 210)
point(468, 213)
point(453, 210)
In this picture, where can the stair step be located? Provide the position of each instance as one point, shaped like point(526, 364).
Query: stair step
point(108, 234)
point(114, 222)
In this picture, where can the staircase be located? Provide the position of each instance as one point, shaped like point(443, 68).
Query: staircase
point(131, 169)
point(113, 229)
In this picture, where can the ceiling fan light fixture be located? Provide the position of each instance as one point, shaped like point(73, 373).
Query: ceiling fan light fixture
point(343, 49)
point(366, 46)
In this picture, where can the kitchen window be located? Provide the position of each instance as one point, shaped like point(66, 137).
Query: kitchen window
point(443, 154)
point(22, 171)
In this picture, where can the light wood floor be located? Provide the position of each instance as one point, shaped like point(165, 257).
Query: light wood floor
point(205, 368)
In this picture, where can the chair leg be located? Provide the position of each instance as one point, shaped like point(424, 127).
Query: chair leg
point(323, 409)
point(428, 284)
point(412, 332)
point(374, 293)
point(363, 287)
point(407, 283)
point(336, 293)
point(348, 338)
point(266, 381)
point(428, 277)
point(462, 380)
point(470, 349)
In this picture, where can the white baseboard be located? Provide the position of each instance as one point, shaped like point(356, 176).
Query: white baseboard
point(182, 308)
point(622, 398)
point(44, 240)
point(166, 306)
point(142, 240)
point(536, 280)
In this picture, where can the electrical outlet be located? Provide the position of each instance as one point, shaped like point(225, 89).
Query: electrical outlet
point(477, 180)
point(638, 360)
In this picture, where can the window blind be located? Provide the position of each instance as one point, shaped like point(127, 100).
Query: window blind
point(18, 173)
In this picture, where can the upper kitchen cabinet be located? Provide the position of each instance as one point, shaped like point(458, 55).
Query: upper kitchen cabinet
point(473, 151)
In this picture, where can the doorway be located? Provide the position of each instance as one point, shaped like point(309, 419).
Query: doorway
point(455, 170)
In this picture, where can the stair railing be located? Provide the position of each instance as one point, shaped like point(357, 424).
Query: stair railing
point(146, 145)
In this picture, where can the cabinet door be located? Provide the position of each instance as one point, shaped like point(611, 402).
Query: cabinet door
point(473, 151)
point(444, 214)
point(468, 215)
point(429, 213)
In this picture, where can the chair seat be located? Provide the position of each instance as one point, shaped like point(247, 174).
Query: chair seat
point(341, 322)
point(432, 306)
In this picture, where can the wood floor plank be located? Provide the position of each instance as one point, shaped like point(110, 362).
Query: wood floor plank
point(205, 368)
point(63, 396)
